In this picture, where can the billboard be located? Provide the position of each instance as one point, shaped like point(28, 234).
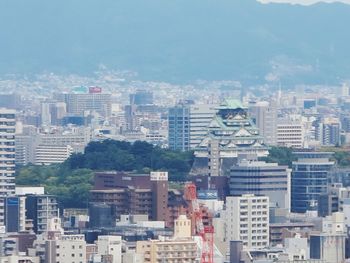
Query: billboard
point(95, 90)
point(207, 194)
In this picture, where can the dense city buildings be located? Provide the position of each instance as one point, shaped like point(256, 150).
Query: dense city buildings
point(165, 161)
point(88, 101)
point(259, 208)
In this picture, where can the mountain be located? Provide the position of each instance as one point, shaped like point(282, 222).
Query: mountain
point(178, 40)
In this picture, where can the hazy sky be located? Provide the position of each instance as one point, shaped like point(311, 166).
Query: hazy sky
point(304, 2)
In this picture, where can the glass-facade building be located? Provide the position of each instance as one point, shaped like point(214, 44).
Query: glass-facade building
point(179, 128)
point(310, 174)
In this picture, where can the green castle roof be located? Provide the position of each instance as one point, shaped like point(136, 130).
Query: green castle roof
point(231, 104)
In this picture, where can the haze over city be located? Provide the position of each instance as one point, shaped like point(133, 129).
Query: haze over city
point(183, 131)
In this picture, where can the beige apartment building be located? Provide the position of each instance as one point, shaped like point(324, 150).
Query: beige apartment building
point(181, 248)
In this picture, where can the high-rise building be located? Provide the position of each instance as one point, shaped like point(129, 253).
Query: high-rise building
point(231, 133)
point(310, 174)
point(14, 214)
point(264, 115)
point(200, 117)
point(179, 127)
point(159, 186)
point(7, 152)
point(41, 209)
point(247, 219)
point(261, 178)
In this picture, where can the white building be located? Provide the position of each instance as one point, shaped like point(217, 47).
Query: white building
point(297, 248)
point(200, 117)
point(110, 246)
point(30, 190)
point(290, 133)
point(7, 157)
point(19, 259)
point(265, 116)
point(247, 219)
point(30, 140)
point(49, 154)
point(7, 151)
point(71, 248)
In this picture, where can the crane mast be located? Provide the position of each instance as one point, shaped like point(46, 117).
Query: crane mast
point(205, 232)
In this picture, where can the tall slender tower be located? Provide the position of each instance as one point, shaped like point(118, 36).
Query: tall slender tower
point(7, 151)
point(159, 184)
point(7, 157)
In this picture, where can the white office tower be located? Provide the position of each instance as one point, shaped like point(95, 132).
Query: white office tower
point(7, 151)
point(200, 117)
point(247, 219)
point(290, 133)
point(264, 114)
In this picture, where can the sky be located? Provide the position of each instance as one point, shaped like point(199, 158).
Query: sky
point(304, 2)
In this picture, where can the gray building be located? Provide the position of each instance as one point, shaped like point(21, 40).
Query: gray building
point(79, 104)
point(261, 178)
point(328, 132)
point(310, 175)
point(264, 115)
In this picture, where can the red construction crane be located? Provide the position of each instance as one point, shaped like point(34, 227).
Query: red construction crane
point(205, 232)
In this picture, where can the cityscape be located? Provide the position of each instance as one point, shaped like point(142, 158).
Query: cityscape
point(111, 166)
